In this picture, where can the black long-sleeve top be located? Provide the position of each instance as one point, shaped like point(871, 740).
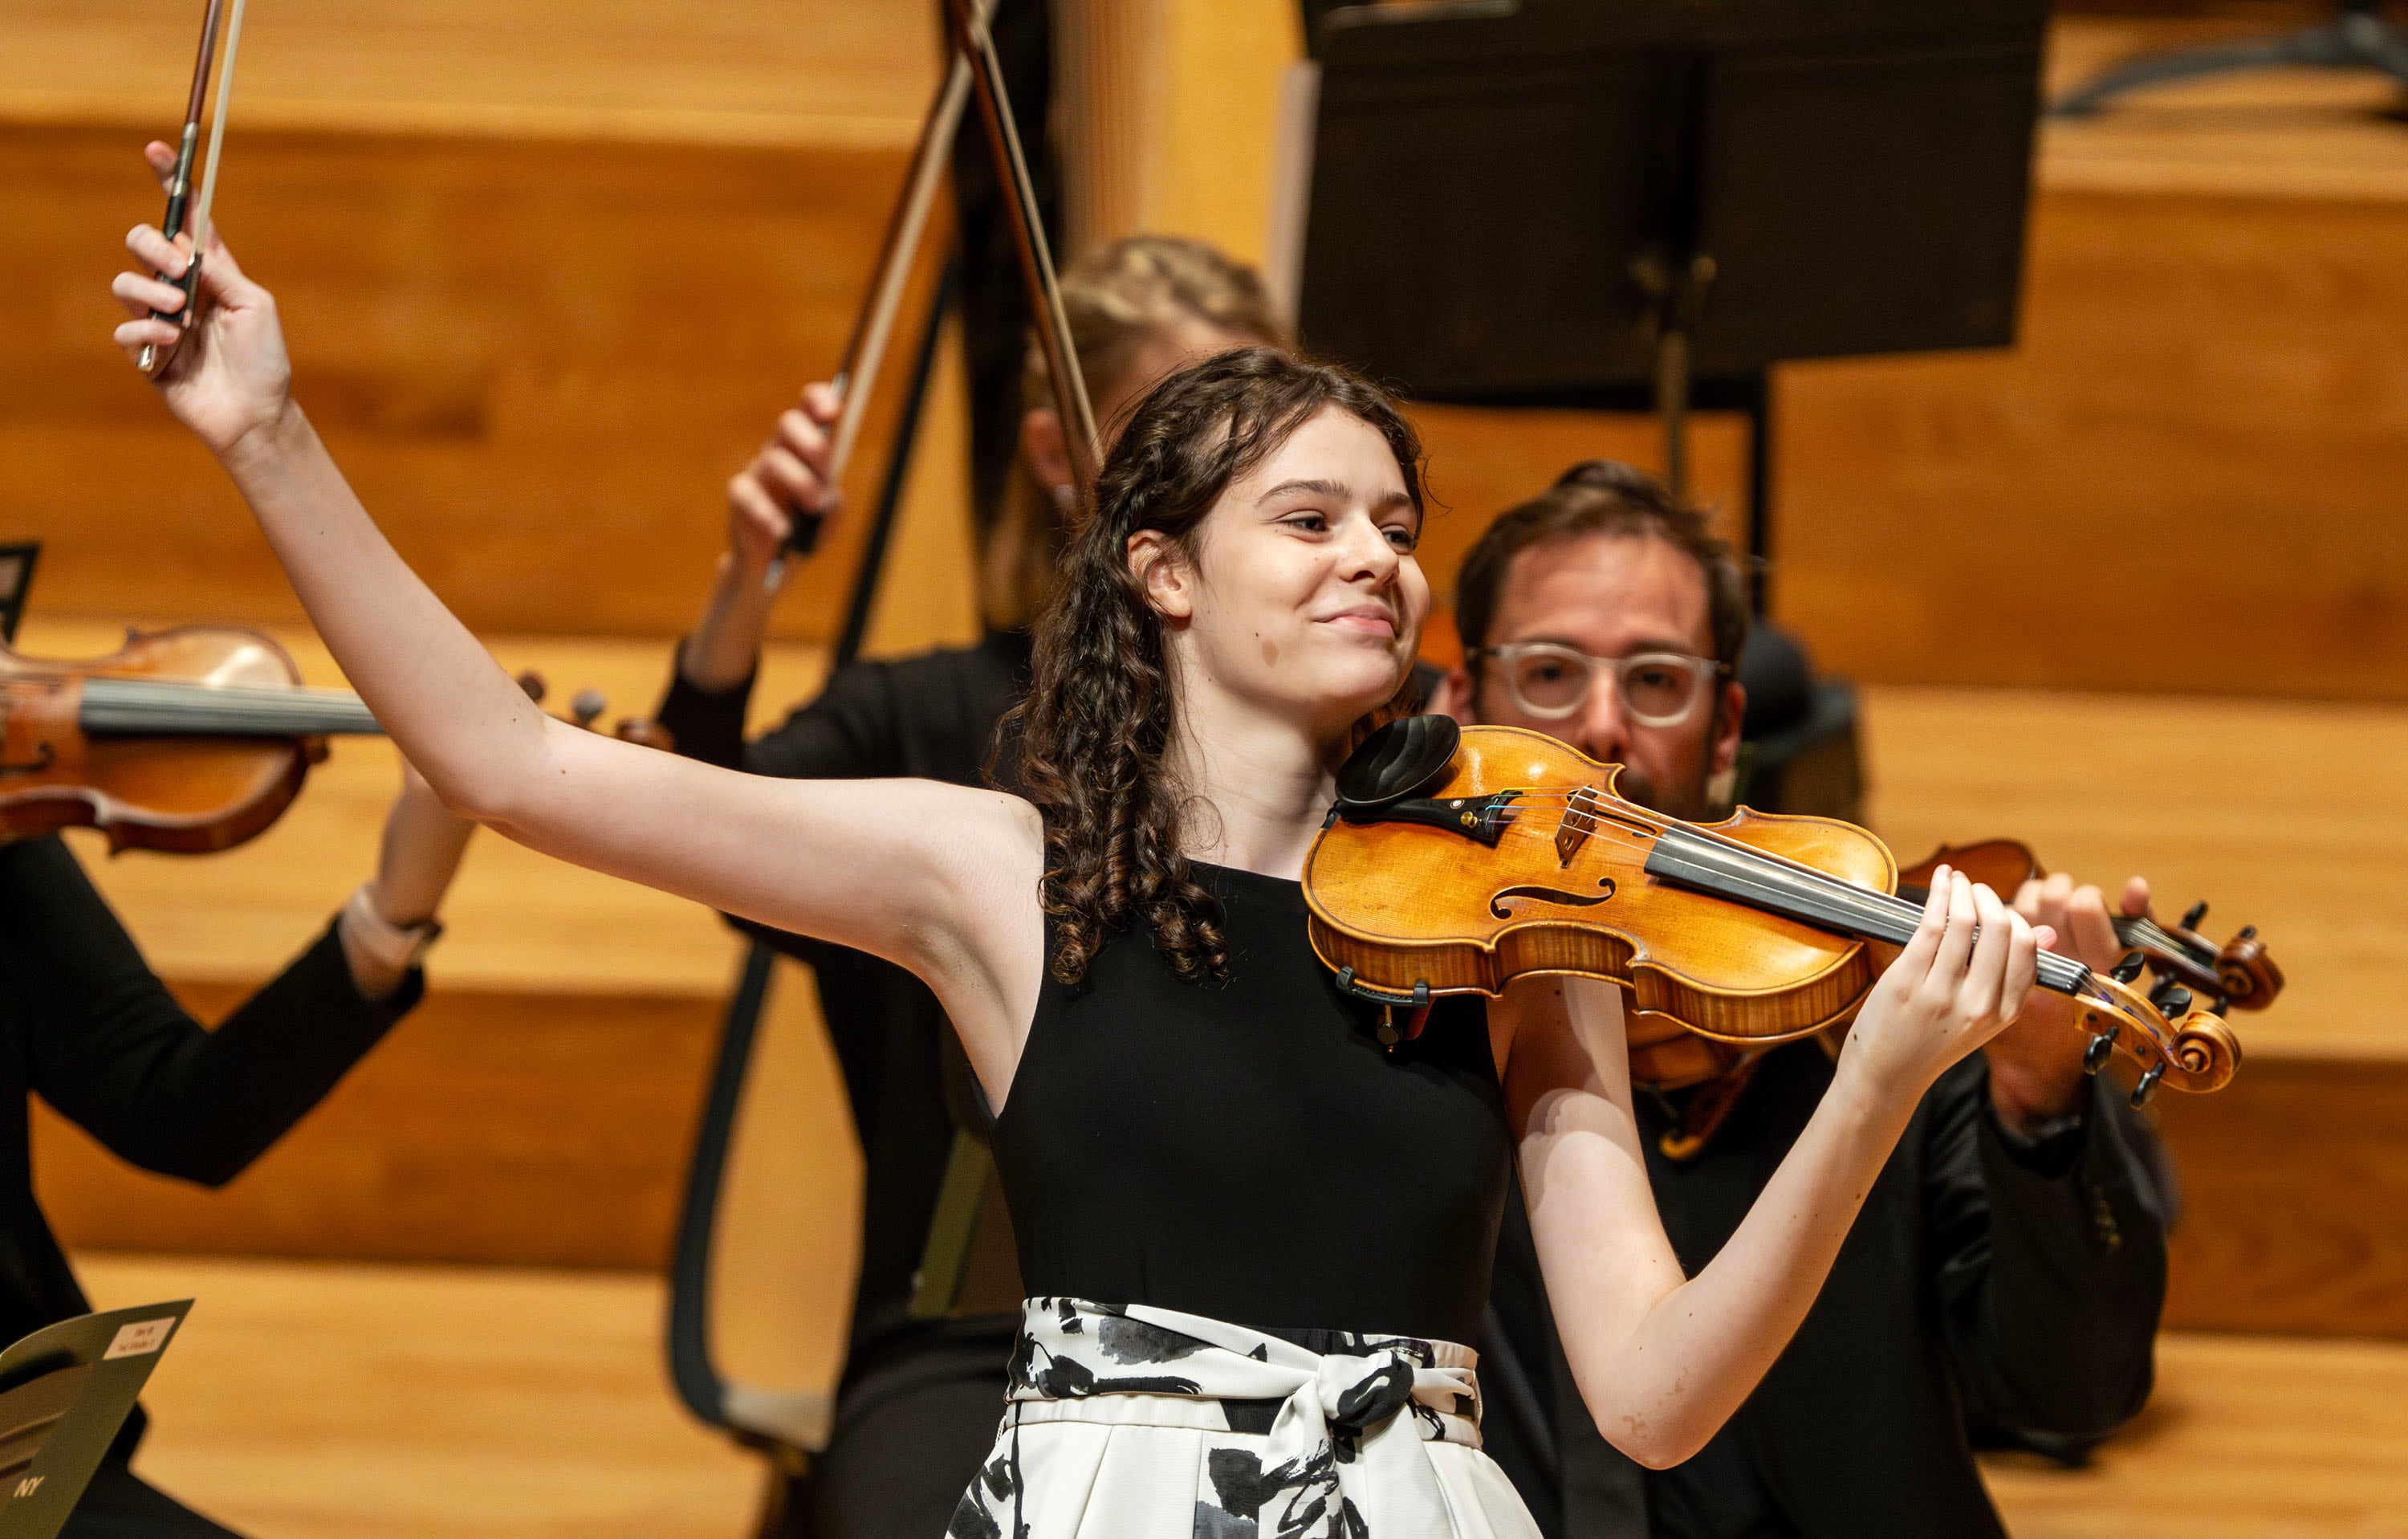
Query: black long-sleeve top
point(87, 1025)
point(931, 716)
point(1989, 1284)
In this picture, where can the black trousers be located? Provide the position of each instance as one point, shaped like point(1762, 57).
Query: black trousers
point(120, 1505)
point(906, 1443)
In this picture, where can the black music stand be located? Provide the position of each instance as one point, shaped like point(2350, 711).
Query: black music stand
point(17, 564)
point(1649, 203)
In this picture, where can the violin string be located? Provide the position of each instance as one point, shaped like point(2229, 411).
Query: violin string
point(137, 705)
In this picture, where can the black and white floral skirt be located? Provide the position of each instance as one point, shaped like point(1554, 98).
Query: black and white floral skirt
point(1131, 1422)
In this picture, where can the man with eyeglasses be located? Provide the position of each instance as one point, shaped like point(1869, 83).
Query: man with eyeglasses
point(2004, 1278)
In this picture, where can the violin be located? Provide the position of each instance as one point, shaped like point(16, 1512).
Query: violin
point(185, 740)
point(2237, 974)
point(188, 740)
point(1458, 859)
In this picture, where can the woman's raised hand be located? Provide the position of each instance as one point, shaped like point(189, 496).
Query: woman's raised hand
point(789, 479)
point(1959, 981)
point(228, 376)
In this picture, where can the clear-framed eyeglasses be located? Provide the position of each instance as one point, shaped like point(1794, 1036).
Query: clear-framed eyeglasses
point(1551, 680)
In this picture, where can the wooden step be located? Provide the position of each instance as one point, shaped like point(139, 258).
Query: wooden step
point(536, 361)
point(738, 71)
point(546, 288)
point(2245, 1436)
point(2281, 815)
point(2295, 1177)
point(358, 1401)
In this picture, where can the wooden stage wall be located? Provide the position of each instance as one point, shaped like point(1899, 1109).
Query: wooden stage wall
point(538, 363)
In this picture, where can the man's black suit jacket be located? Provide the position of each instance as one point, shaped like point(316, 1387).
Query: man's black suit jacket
point(1989, 1286)
point(87, 1025)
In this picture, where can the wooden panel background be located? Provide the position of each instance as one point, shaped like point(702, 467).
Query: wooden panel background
point(2187, 477)
point(538, 362)
point(540, 355)
point(2281, 815)
point(548, 1131)
point(2295, 1200)
point(723, 71)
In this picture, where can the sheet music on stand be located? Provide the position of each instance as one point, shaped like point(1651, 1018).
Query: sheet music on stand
point(1647, 203)
point(65, 1391)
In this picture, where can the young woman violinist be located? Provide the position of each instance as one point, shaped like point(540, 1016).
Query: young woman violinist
point(916, 1403)
point(1256, 1234)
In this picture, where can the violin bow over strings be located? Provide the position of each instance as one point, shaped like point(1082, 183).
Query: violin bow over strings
point(154, 357)
point(973, 72)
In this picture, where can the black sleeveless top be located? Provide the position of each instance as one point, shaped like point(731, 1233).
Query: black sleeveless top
point(1245, 1149)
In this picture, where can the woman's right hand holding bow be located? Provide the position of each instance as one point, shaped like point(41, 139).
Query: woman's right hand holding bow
point(227, 378)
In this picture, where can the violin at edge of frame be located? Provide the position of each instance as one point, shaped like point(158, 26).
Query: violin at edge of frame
point(151, 744)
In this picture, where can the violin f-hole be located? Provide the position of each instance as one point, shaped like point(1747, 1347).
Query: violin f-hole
point(1551, 895)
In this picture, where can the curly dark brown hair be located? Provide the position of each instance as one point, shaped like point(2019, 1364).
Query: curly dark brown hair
point(1093, 735)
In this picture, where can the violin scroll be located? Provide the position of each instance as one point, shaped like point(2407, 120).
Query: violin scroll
point(2250, 978)
point(2197, 1051)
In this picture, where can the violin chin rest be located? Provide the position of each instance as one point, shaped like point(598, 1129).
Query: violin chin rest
point(1407, 756)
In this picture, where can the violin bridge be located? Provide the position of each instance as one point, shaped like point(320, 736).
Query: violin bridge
point(1580, 821)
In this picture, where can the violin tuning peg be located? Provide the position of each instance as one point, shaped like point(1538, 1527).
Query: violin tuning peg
point(2218, 1006)
point(2147, 1086)
point(533, 684)
point(2102, 1048)
point(2191, 916)
point(2129, 968)
point(2170, 998)
point(643, 733)
point(586, 705)
point(2247, 932)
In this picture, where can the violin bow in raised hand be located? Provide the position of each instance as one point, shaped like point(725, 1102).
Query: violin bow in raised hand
point(154, 357)
point(973, 69)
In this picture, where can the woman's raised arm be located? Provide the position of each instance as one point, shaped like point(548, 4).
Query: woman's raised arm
point(1661, 1362)
point(938, 878)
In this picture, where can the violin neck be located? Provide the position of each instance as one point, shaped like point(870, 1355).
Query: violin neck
point(1725, 869)
point(162, 708)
